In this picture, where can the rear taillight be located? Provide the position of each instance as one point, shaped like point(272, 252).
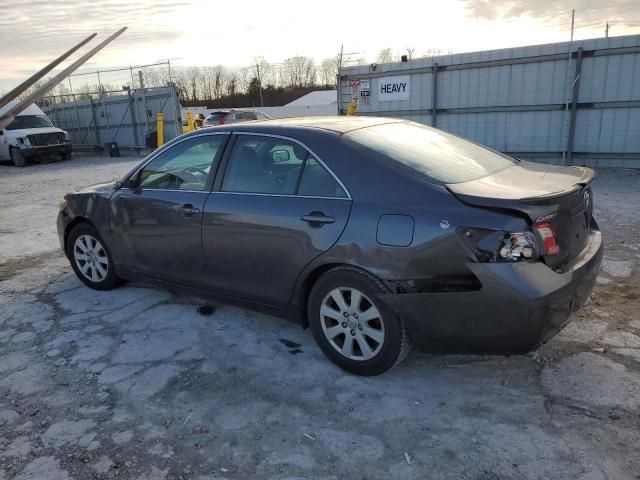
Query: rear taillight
point(500, 246)
point(549, 239)
point(518, 246)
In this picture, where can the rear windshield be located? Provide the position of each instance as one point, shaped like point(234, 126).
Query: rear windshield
point(214, 117)
point(441, 156)
point(29, 121)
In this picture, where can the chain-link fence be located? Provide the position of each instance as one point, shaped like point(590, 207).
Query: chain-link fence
point(116, 106)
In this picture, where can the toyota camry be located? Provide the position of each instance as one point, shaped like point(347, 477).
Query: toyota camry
point(376, 233)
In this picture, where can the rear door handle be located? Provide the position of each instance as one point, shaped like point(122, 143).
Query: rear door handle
point(188, 210)
point(317, 218)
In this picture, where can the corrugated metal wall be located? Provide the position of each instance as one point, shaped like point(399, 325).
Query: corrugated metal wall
point(118, 118)
point(533, 102)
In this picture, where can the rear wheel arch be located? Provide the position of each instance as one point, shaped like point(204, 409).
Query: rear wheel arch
point(315, 274)
point(371, 348)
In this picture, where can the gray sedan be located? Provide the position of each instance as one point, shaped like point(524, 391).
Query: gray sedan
point(376, 233)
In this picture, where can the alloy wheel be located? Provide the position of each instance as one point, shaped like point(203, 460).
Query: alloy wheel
point(352, 323)
point(91, 258)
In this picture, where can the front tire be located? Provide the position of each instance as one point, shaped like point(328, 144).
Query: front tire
point(358, 332)
point(90, 258)
point(17, 157)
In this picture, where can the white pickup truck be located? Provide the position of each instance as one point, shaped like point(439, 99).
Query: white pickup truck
point(32, 136)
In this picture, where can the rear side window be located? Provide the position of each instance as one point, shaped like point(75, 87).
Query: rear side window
point(246, 116)
point(273, 165)
point(439, 155)
point(316, 181)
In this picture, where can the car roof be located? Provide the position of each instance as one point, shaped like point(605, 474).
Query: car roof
point(229, 110)
point(338, 124)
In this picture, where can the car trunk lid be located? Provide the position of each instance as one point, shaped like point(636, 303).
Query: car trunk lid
point(559, 196)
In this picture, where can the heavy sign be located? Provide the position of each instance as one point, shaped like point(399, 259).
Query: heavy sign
point(394, 88)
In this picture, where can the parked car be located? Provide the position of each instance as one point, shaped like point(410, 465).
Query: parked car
point(376, 233)
point(226, 116)
point(32, 136)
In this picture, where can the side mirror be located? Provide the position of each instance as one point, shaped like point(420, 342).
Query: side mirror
point(131, 182)
point(280, 156)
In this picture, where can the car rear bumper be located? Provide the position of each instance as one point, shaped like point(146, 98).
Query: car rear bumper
point(519, 306)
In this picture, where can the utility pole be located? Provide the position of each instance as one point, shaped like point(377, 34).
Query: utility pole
point(606, 30)
point(259, 83)
point(338, 89)
point(573, 16)
point(144, 106)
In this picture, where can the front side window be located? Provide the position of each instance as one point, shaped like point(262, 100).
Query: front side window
point(184, 166)
point(439, 155)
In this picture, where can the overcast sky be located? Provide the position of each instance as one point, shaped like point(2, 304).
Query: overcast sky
point(232, 33)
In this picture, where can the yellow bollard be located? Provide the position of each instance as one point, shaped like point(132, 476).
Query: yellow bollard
point(160, 128)
point(353, 106)
point(190, 126)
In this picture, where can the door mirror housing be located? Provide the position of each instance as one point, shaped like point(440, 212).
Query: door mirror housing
point(280, 156)
point(131, 182)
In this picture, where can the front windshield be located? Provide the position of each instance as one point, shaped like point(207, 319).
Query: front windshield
point(441, 156)
point(29, 121)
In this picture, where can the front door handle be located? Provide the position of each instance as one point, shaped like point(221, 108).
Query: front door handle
point(317, 218)
point(188, 210)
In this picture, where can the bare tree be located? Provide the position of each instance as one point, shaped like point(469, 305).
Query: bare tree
point(232, 84)
point(194, 79)
point(181, 82)
point(218, 81)
point(208, 82)
point(244, 76)
point(410, 51)
point(298, 71)
point(329, 70)
point(385, 55)
point(434, 52)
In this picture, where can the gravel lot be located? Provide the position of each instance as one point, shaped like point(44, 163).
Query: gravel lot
point(135, 383)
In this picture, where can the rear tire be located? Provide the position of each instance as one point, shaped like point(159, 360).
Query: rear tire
point(17, 157)
point(90, 258)
point(358, 332)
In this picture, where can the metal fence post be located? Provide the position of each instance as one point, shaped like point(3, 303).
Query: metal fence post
point(434, 96)
point(96, 129)
point(574, 105)
point(132, 112)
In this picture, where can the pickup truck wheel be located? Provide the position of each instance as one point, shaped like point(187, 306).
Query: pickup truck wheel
point(17, 158)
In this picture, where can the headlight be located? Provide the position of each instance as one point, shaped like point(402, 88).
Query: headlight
point(67, 137)
point(23, 141)
point(63, 204)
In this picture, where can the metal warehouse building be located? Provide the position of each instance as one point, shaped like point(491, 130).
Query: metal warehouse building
point(574, 103)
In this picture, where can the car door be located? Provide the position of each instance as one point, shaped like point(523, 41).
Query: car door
point(156, 218)
point(273, 210)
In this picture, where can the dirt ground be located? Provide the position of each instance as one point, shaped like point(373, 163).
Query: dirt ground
point(135, 383)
